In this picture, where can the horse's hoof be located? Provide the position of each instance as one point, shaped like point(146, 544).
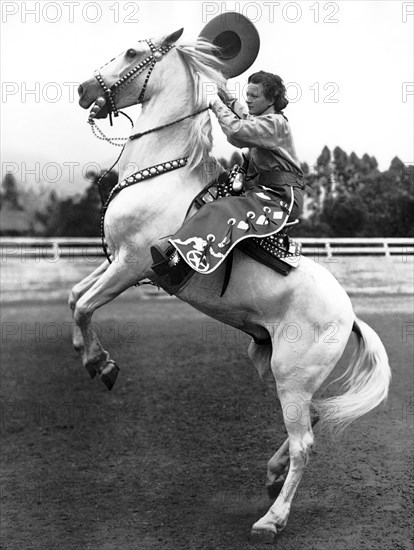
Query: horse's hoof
point(109, 374)
point(262, 536)
point(91, 369)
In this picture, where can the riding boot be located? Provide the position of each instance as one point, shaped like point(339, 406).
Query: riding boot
point(163, 261)
point(171, 269)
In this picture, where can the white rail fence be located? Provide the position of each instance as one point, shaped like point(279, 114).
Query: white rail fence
point(52, 249)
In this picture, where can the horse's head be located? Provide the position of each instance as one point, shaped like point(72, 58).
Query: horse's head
point(125, 80)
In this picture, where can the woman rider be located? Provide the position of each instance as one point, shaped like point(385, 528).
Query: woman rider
point(266, 131)
point(276, 196)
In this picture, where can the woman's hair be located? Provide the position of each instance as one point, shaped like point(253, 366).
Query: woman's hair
point(273, 88)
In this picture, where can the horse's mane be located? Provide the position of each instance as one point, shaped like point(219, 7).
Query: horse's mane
point(203, 69)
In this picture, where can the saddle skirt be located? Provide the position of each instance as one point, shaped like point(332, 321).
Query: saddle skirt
point(251, 220)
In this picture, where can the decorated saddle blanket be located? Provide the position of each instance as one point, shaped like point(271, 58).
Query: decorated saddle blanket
point(206, 239)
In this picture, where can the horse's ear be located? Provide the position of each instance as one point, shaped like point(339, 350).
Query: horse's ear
point(172, 38)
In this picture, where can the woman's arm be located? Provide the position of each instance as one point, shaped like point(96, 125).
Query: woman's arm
point(232, 103)
point(240, 110)
point(259, 131)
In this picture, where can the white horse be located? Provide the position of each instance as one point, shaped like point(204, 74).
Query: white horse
point(258, 300)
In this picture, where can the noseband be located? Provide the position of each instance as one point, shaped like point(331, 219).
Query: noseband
point(149, 62)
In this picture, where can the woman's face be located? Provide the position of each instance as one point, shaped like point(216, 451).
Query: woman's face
point(255, 99)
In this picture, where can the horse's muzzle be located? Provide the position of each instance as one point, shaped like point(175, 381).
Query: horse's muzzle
point(88, 92)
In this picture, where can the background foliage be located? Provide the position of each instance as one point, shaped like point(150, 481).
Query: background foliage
point(346, 196)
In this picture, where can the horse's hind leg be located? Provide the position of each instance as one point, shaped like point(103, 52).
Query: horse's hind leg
point(278, 465)
point(277, 470)
point(79, 290)
point(299, 370)
point(296, 415)
point(260, 355)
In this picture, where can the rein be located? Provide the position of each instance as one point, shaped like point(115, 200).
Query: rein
point(136, 136)
point(150, 62)
point(103, 137)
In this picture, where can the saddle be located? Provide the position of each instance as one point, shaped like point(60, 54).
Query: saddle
point(278, 251)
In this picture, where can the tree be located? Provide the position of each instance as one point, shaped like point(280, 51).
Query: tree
point(324, 158)
point(355, 199)
point(79, 216)
point(391, 206)
point(341, 159)
point(10, 194)
point(345, 215)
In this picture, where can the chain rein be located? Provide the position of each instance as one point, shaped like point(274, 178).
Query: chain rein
point(151, 60)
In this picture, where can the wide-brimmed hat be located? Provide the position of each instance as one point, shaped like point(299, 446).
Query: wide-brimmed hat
point(238, 40)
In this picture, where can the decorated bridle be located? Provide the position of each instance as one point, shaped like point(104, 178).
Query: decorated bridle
point(150, 62)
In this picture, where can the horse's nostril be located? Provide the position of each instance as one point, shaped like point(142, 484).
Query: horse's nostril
point(80, 90)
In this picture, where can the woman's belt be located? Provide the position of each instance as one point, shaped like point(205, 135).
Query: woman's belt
point(279, 178)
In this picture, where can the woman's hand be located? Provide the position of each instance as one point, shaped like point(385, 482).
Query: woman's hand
point(225, 97)
point(213, 99)
point(215, 93)
point(210, 91)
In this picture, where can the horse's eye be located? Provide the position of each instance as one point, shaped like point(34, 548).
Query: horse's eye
point(131, 53)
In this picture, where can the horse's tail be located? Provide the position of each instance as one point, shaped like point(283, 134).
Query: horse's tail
point(366, 382)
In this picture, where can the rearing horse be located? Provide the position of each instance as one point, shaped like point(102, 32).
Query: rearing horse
point(168, 80)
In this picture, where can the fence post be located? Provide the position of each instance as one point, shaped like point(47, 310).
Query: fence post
point(328, 249)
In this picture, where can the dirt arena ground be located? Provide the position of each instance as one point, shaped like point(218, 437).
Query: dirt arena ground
point(175, 456)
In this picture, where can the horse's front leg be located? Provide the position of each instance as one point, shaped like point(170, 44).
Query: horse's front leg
point(114, 280)
point(79, 290)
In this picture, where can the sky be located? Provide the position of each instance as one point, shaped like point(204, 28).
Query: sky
point(348, 67)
